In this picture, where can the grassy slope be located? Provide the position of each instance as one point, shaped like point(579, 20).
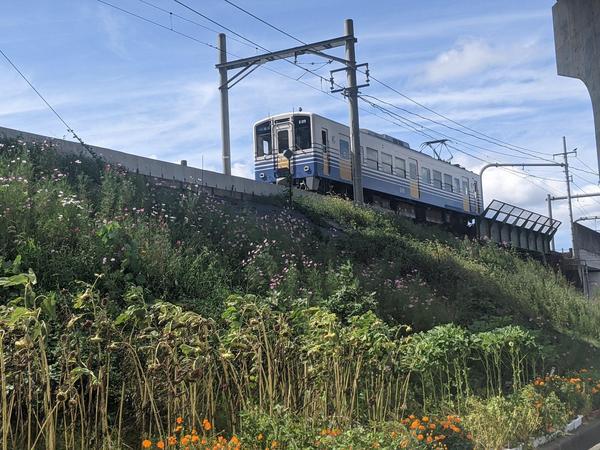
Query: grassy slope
point(71, 220)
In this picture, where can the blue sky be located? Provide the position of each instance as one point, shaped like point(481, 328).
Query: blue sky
point(126, 84)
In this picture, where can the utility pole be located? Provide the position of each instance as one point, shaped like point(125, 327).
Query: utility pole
point(246, 66)
point(565, 156)
point(549, 200)
point(352, 93)
point(225, 136)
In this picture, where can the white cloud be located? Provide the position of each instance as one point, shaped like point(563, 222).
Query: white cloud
point(466, 58)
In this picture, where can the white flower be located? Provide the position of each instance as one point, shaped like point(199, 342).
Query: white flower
point(77, 161)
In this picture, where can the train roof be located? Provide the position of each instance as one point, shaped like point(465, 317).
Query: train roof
point(385, 137)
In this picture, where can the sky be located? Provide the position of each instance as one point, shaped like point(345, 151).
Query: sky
point(124, 83)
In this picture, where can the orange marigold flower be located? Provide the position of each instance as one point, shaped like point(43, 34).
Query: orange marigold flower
point(185, 440)
point(432, 426)
point(146, 443)
point(179, 420)
point(274, 444)
point(178, 428)
point(195, 438)
point(160, 444)
point(260, 437)
point(172, 440)
point(415, 425)
point(203, 441)
point(393, 434)
point(206, 425)
point(421, 427)
point(429, 439)
point(420, 437)
point(425, 419)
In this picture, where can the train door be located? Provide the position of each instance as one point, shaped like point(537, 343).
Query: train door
point(465, 194)
point(413, 176)
point(345, 161)
point(283, 141)
point(326, 153)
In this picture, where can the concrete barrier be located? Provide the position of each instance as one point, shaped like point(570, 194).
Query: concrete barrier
point(155, 168)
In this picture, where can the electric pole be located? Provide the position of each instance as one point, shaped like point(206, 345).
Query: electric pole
point(549, 200)
point(565, 156)
point(245, 66)
point(226, 140)
point(352, 93)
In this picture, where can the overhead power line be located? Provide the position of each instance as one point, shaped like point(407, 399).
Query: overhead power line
point(406, 122)
point(472, 132)
point(39, 94)
point(264, 21)
point(193, 22)
point(145, 19)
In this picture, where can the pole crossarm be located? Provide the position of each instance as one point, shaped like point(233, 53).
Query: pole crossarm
point(596, 194)
point(581, 219)
point(313, 48)
point(488, 166)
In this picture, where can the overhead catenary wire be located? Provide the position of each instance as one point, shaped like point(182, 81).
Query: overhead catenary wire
point(313, 87)
point(54, 111)
point(477, 135)
point(171, 13)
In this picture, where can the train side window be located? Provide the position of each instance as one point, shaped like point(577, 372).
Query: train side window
point(324, 140)
point(386, 163)
point(412, 171)
point(426, 175)
point(372, 159)
point(400, 167)
point(457, 185)
point(465, 185)
point(437, 179)
point(344, 149)
point(447, 182)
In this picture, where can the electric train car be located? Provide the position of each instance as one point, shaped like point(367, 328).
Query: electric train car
point(315, 151)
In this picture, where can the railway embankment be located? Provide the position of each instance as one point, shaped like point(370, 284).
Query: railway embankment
point(136, 312)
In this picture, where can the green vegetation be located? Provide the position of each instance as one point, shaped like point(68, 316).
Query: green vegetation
point(135, 312)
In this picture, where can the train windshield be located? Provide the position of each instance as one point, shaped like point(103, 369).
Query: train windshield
point(302, 134)
point(264, 144)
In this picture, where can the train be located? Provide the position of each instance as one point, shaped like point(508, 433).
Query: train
point(313, 152)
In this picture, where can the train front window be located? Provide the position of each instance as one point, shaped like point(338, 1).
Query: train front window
point(283, 140)
point(264, 146)
point(302, 132)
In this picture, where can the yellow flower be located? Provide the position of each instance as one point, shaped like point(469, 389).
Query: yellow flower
point(146, 443)
point(274, 444)
point(260, 437)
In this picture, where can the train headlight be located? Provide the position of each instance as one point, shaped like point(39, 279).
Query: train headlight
point(306, 169)
point(262, 175)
